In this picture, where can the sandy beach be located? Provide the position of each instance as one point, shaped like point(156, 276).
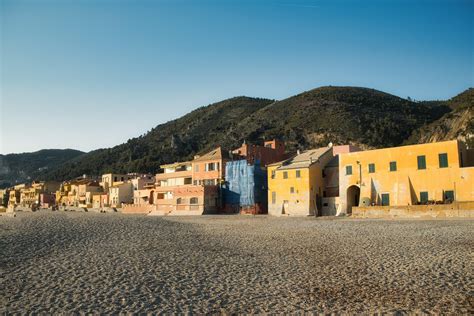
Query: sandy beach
point(70, 262)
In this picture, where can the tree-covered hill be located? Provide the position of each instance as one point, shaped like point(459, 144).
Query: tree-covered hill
point(18, 168)
point(361, 116)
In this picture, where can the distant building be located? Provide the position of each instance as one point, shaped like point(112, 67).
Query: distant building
point(120, 194)
point(30, 195)
point(439, 172)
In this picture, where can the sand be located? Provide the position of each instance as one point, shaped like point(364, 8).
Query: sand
point(72, 262)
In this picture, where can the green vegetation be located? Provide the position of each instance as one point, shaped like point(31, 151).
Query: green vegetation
point(360, 116)
point(456, 124)
point(18, 168)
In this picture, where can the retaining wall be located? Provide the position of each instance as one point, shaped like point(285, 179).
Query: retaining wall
point(454, 210)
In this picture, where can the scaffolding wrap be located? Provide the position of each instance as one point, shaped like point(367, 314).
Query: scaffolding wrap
point(245, 185)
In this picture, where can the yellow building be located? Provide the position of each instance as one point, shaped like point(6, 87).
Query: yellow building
point(408, 175)
point(295, 185)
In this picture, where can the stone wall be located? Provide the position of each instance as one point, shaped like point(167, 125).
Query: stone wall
point(454, 210)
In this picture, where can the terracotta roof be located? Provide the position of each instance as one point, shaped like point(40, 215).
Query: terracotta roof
point(212, 155)
point(305, 159)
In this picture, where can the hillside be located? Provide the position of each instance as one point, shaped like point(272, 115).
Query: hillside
point(457, 124)
point(17, 168)
point(361, 116)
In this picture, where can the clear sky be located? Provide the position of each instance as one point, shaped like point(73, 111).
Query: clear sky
point(89, 74)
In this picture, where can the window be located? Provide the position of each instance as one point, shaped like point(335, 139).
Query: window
point(298, 173)
point(210, 167)
point(348, 170)
point(274, 197)
point(449, 196)
point(385, 199)
point(179, 201)
point(421, 162)
point(196, 168)
point(423, 197)
point(443, 160)
point(393, 166)
point(371, 167)
point(273, 174)
point(285, 174)
point(217, 166)
point(121, 179)
point(193, 200)
point(292, 190)
point(115, 179)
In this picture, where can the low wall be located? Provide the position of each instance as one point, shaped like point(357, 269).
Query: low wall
point(138, 209)
point(457, 209)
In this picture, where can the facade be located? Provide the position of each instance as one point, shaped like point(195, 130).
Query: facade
point(4, 195)
point(14, 195)
point(208, 169)
point(190, 187)
point(30, 196)
point(295, 185)
point(85, 190)
point(433, 173)
point(111, 179)
point(100, 200)
point(331, 202)
point(120, 194)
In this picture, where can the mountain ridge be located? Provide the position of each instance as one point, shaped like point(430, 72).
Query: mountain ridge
point(361, 116)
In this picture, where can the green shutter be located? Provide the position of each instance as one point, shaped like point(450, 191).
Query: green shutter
point(348, 170)
point(393, 166)
point(449, 195)
point(385, 199)
point(423, 197)
point(371, 167)
point(443, 160)
point(421, 162)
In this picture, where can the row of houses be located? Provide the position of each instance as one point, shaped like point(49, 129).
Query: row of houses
point(260, 179)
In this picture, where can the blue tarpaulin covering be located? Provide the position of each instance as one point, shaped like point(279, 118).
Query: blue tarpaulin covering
point(245, 184)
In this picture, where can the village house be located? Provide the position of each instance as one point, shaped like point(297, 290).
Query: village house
point(4, 194)
point(143, 190)
point(30, 195)
point(14, 195)
point(110, 179)
point(120, 194)
point(85, 190)
point(431, 173)
point(295, 185)
point(190, 187)
point(331, 202)
point(100, 200)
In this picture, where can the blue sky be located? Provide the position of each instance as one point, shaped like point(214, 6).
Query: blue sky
point(89, 74)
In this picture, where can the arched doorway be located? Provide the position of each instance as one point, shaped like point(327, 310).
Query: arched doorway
point(353, 195)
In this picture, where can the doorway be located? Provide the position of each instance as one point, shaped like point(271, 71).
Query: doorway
point(353, 195)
